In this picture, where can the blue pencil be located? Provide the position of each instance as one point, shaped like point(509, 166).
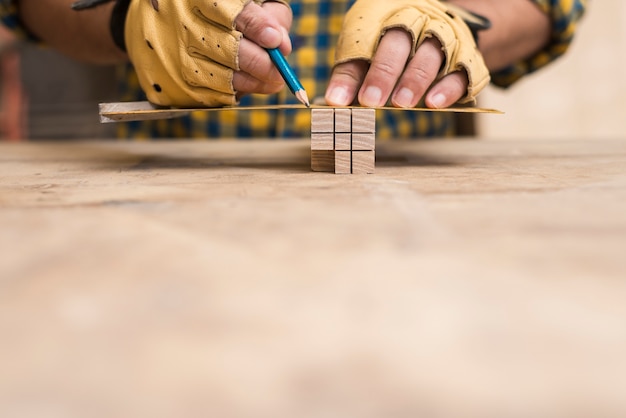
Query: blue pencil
point(289, 76)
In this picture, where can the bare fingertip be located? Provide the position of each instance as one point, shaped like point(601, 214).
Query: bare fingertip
point(271, 38)
point(437, 101)
point(338, 96)
point(404, 98)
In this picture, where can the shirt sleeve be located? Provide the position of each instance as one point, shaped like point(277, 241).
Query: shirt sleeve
point(564, 15)
point(10, 18)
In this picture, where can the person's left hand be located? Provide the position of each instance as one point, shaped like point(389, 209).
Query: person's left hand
point(403, 50)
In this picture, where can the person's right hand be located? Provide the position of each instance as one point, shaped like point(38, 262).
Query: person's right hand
point(191, 53)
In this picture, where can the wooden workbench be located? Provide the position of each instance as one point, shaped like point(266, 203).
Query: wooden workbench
point(224, 279)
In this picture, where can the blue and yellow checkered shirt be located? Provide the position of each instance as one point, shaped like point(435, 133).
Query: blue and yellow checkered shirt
point(314, 33)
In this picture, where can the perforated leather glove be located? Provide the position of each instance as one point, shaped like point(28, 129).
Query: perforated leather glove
point(185, 52)
point(368, 20)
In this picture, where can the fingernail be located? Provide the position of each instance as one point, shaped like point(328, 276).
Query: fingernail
point(270, 37)
point(338, 96)
point(371, 96)
point(404, 97)
point(438, 100)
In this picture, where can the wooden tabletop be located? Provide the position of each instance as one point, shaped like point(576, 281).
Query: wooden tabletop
point(468, 278)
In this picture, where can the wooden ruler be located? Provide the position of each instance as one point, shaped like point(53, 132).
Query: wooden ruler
point(134, 111)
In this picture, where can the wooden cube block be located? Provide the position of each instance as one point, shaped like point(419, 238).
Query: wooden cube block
point(322, 120)
point(323, 160)
point(363, 141)
point(322, 141)
point(343, 163)
point(363, 162)
point(343, 141)
point(363, 120)
point(343, 120)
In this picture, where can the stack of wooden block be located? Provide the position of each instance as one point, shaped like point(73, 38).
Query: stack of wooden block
point(343, 140)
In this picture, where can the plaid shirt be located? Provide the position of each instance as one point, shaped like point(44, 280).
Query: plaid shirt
point(316, 26)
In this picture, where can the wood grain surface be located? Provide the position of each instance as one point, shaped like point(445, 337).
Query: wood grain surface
point(225, 279)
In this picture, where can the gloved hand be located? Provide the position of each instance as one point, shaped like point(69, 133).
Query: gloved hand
point(190, 53)
point(411, 33)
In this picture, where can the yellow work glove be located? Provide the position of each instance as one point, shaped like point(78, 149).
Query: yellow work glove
point(185, 52)
point(368, 20)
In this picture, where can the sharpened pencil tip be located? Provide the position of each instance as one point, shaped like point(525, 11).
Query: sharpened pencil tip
point(303, 98)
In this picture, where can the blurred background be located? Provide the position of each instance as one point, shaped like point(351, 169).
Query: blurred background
point(47, 96)
point(581, 95)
